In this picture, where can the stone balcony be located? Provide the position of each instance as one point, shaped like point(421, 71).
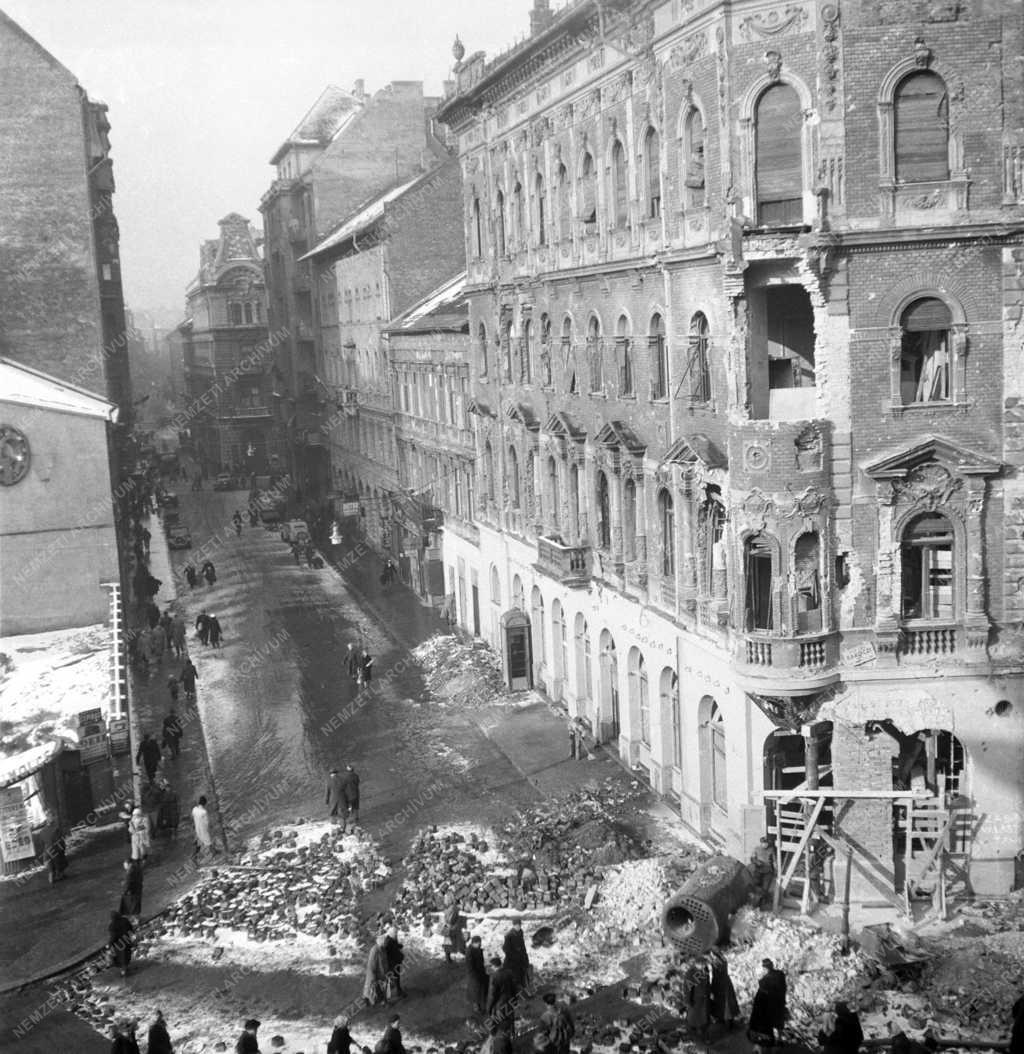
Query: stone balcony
point(775, 665)
point(567, 564)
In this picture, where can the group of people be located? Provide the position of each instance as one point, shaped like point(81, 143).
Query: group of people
point(342, 798)
point(207, 571)
point(208, 629)
point(360, 665)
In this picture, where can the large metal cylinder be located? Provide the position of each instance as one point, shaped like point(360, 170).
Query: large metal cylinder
point(696, 918)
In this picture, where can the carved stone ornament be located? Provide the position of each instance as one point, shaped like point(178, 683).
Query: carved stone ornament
point(588, 105)
point(790, 19)
point(830, 54)
point(620, 88)
point(688, 51)
point(756, 457)
point(564, 117)
point(931, 485)
point(922, 53)
point(773, 64)
point(757, 506)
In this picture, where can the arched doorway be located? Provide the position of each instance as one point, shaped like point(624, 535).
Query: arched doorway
point(714, 793)
point(609, 716)
point(516, 650)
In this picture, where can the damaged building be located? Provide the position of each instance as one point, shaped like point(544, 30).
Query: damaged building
point(745, 286)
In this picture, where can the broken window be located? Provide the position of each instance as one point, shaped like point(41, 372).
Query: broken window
point(652, 173)
point(927, 568)
point(693, 159)
point(924, 351)
point(921, 108)
point(779, 166)
point(667, 530)
point(807, 582)
point(624, 355)
point(604, 513)
point(619, 189)
point(658, 357)
point(758, 568)
point(588, 192)
point(699, 365)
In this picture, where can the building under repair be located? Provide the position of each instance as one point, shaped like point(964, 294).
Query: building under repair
point(745, 287)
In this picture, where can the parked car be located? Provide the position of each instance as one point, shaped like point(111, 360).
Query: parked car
point(295, 531)
point(169, 500)
point(179, 537)
point(224, 481)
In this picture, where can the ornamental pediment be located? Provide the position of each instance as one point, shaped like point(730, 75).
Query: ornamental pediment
point(561, 426)
point(620, 436)
point(481, 409)
point(933, 451)
point(523, 415)
point(689, 451)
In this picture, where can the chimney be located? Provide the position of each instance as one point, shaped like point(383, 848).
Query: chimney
point(540, 16)
point(360, 89)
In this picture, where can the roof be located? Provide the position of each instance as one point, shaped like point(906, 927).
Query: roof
point(28, 762)
point(25, 386)
point(332, 111)
point(445, 308)
point(364, 218)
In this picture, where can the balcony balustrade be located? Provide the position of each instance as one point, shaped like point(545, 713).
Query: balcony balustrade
point(568, 564)
point(928, 641)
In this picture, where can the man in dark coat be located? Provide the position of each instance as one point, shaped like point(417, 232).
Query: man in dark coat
point(476, 976)
point(124, 1041)
point(697, 998)
point(189, 676)
point(191, 577)
point(148, 755)
point(159, 1039)
point(724, 1005)
point(391, 1041)
point(131, 896)
point(395, 957)
point(341, 1041)
point(209, 572)
point(247, 1042)
point(846, 1034)
point(557, 1024)
point(516, 957)
point(203, 627)
point(375, 979)
point(120, 933)
point(454, 924)
point(335, 799)
point(768, 1012)
point(501, 997)
point(350, 792)
point(365, 669)
point(172, 733)
point(215, 631)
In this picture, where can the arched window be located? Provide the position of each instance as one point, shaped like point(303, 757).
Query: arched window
point(530, 491)
point(759, 566)
point(925, 351)
point(488, 471)
point(588, 191)
point(526, 353)
point(672, 715)
point(512, 468)
point(719, 783)
point(921, 120)
point(481, 344)
point(575, 522)
point(540, 644)
point(926, 555)
point(779, 152)
point(540, 195)
point(667, 532)
point(568, 357)
point(713, 530)
point(545, 350)
point(629, 520)
point(495, 586)
point(624, 354)
point(695, 190)
point(644, 701)
point(619, 189)
point(604, 513)
point(594, 354)
point(564, 204)
point(807, 582)
point(499, 224)
point(518, 217)
point(476, 229)
point(699, 366)
point(506, 350)
point(518, 600)
point(553, 493)
point(652, 173)
point(658, 355)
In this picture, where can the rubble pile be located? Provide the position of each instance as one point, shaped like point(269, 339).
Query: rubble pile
point(291, 882)
point(461, 675)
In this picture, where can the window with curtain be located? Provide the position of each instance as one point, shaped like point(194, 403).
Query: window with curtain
point(921, 122)
point(652, 173)
point(619, 189)
point(779, 153)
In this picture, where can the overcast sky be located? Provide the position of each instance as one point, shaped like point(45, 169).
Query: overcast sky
point(202, 92)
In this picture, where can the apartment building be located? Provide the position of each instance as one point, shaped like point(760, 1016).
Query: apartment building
point(745, 288)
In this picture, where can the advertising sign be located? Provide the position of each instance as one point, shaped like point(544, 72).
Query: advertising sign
point(15, 831)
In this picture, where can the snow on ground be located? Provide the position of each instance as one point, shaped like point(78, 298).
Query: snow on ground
point(46, 679)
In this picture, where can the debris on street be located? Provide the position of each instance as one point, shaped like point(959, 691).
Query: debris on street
point(462, 675)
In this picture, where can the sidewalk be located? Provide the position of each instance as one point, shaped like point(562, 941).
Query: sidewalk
point(50, 928)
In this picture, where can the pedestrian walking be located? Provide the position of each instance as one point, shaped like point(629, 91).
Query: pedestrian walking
point(178, 636)
point(165, 625)
point(190, 576)
point(131, 895)
point(501, 997)
point(366, 668)
point(203, 627)
point(335, 799)
point(173, 689)
point(149, 755)
point(138, 833)
point(557, 1024)
point(157, 642)
point(55, 848)
point(297, 553)
point(391, 1041)
point(209, 572)
point(173, 730)
point(697, 999)
point(724, 1005)
point(152, 796)
point(476, 976)
point(516, 958)
point(394, 957)
point(158, 1039)
point(247, 1043)
point(237, 521)
point(350, 792)
point(453, 924)
point(124, 1041)
point(768, 1012)
point(843, 1033)
point(201, 823)
point(215, 631)
point(341, 1040)
point(254, 518)
point(375, 979)
point(189, 676)
point(353, 661)
point(120, 934)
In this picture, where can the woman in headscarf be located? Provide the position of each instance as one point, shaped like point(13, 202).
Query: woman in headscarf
point(374, 985)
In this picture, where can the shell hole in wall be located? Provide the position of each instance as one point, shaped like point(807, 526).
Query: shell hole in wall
point(1003, 708)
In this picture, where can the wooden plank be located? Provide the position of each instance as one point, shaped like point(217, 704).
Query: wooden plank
point(853, 795)
point(784, 880)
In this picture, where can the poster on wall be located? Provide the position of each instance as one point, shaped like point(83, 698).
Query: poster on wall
point(15, 830)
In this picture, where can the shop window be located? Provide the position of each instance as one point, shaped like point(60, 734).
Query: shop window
point(921, 119)
point(758, 568)
point(926, 555)
point(925, 327)
point(779, 154)
point(652, 173)
point(619, 189)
